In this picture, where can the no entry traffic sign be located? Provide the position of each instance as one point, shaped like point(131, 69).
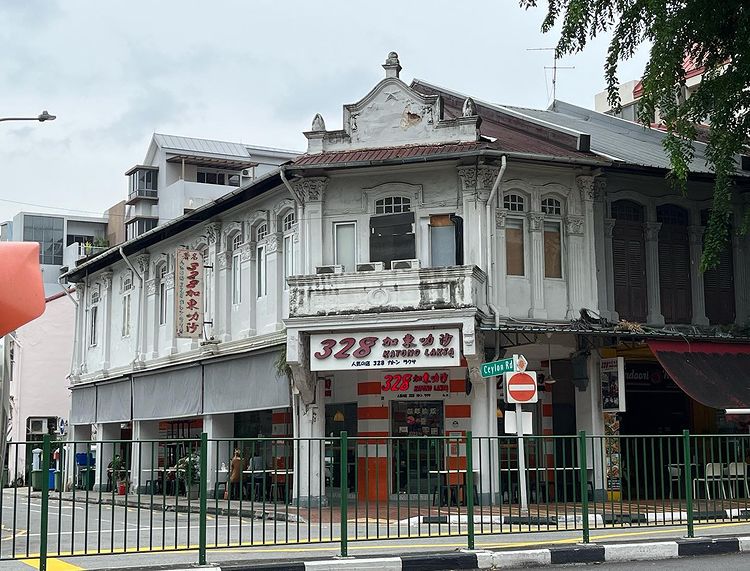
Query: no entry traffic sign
point(521, 387)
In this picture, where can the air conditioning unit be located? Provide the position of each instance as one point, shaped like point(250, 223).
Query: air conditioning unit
point(246, 172)
point(333, 269)
point(370, 267)
point(405, 265)
point(38, 426)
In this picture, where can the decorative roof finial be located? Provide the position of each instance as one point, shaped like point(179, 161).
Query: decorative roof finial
point(317, 123)
point(470, 108)
point(392, 66)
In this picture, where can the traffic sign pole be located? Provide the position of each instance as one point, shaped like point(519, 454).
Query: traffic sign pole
point(521, 457)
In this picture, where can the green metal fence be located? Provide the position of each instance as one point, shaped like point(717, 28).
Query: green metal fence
point(109, 497)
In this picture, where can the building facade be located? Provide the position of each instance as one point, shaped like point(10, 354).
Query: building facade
point(361, 285)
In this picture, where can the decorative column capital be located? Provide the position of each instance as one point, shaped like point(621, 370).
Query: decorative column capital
point(467, 178)
point(696, 235)
point(142, 263)
point(574, 225)
point(151, 286)
point(600, 188)
point(224, 259)
point(80, 291)
point(609, 226)
point(536, 221)
point(273, 242)
point(213, 232)
point(500, 217)
point(651, 231)
point(478, 180)
point(106, 280)
point(587, 188)
point(311, 189)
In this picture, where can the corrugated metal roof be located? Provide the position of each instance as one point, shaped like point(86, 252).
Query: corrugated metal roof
point(613, 137)
point(385, 153)
point(203, 146)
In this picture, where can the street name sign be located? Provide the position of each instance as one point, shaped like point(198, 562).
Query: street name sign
point(497, 368)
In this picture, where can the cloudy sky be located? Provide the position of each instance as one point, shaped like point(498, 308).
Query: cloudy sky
point(247, 71)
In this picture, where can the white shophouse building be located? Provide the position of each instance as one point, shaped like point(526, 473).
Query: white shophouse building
point(422, 238)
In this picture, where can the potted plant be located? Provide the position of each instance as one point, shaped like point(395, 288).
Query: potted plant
point(119, 474)
point(188, 471)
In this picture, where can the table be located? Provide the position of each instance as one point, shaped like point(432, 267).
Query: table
point(266, 474)
point(547, 484)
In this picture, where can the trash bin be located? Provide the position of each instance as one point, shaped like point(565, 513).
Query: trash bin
point(58, 481)
point(51, 479)
point(36, 479)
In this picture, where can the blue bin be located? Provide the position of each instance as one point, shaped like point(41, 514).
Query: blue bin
point(84, 459)
point(51, 478)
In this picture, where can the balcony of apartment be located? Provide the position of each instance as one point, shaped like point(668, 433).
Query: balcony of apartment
point(77, 251)
point(142, 184)
point(372, 289)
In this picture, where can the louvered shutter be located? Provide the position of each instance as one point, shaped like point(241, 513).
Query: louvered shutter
point(629, 271)
point(718, 289)
point(674, 274)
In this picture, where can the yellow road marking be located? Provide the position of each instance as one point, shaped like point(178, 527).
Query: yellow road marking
point(52, 564)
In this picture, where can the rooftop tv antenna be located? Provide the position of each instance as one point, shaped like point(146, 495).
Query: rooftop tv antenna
point(554, 69)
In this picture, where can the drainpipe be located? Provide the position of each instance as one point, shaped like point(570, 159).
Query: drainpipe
point(288, 186)
point(141, 301)
point(490, 273)
point(302, 227)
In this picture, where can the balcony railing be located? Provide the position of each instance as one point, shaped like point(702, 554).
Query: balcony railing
point(411, 289)
point(142, 193)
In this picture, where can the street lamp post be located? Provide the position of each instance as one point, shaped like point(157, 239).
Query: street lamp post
point(42, 117)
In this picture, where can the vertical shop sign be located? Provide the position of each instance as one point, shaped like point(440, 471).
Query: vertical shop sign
point(612, 451)
point(612, 376)
point(188, 294)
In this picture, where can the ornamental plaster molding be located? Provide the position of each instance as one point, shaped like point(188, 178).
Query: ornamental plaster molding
point(651, 231)
point(609, 226)
point(600, 188)
point(574, 225)
point(213, 231)
point(272, 242)
point(536, 221)
point(169, 280)
point(246, 252)
point(142, 264)
point(586, 187)
point(467, 177)
point(227, 231)
point(500, 217)
point(282, 205)
point(225, 260)
point(311, 189)
point(106, 280)
point(151, 286)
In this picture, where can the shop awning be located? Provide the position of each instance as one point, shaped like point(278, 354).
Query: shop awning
point(714, 374)
point(83, 404)
point(113, 401)
point(168, 393)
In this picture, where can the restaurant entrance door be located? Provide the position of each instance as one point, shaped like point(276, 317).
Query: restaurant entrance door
point(416, 448)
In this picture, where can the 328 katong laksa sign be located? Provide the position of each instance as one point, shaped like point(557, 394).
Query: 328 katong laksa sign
point(407, 348)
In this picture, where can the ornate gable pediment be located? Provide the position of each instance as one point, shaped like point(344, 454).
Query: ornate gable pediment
point(392, 114)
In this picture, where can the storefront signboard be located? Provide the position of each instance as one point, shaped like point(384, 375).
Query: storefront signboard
point(612, 375)
point(416, 385)
point(412, 349)
point(188, 294)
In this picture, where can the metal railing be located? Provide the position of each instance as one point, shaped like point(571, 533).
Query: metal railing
point(120, 496)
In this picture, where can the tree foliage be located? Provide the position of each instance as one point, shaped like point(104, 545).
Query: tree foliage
point(713, 34)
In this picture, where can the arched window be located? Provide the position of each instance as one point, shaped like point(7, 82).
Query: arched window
point(514, 203)
point(551, 207)
point(627, 211)
point(93, 318)
point(261, 232)
point(127, 285)
point(393, 205)
point(162, 273)
point(674, 264)
point(236, 242)
point(287, 223)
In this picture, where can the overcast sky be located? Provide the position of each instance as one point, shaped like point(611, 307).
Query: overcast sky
point(247, 71)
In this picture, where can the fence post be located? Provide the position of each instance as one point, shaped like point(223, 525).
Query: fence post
point(43, 524)
point(688, 482)
point(469, 490)
point(203, 499)
point(583, 464)
point(344, 487)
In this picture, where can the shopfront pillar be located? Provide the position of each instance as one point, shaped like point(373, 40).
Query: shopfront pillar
point(220, 431)
point(484, 431)
point(311, 190)
point(145, 454)
point(589, 418)
point(105, 451)
point(78, 442)
point(309, 420)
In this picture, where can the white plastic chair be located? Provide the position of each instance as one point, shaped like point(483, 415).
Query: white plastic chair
point(736, 473)
point(714, 473)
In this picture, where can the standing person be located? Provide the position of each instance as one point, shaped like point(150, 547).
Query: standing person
point(235, 474)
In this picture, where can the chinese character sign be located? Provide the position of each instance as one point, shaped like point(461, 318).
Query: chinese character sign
point(188, 294)
point(403, 349)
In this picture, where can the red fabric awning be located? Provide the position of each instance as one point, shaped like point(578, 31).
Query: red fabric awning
point(714, 374)
point(21, 287)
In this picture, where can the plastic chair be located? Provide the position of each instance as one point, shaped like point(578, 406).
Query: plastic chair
point(713, 474)
point(736, 473)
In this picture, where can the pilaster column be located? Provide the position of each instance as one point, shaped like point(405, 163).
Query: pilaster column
point(608, 301)
point(79, 348)
point(536, 267)
point(170, 293)
point(106, 291)
point(598, 243)
point(476, 184)
point(145, 455)
point(741, 253)
point(152, 284)
point(275, 275)
point(696, 276)
point(577, 278)
point(106, 448)
point(312, 192)
point(213, 235)
point(141, 344)
point(651, 232)
point(501, 267)
point(592, 190)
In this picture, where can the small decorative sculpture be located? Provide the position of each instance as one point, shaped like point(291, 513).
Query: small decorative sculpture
point(317, 123)
point(392, 59)
point(470, 108)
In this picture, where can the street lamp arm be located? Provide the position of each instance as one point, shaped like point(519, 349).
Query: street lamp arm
point(42, 117)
